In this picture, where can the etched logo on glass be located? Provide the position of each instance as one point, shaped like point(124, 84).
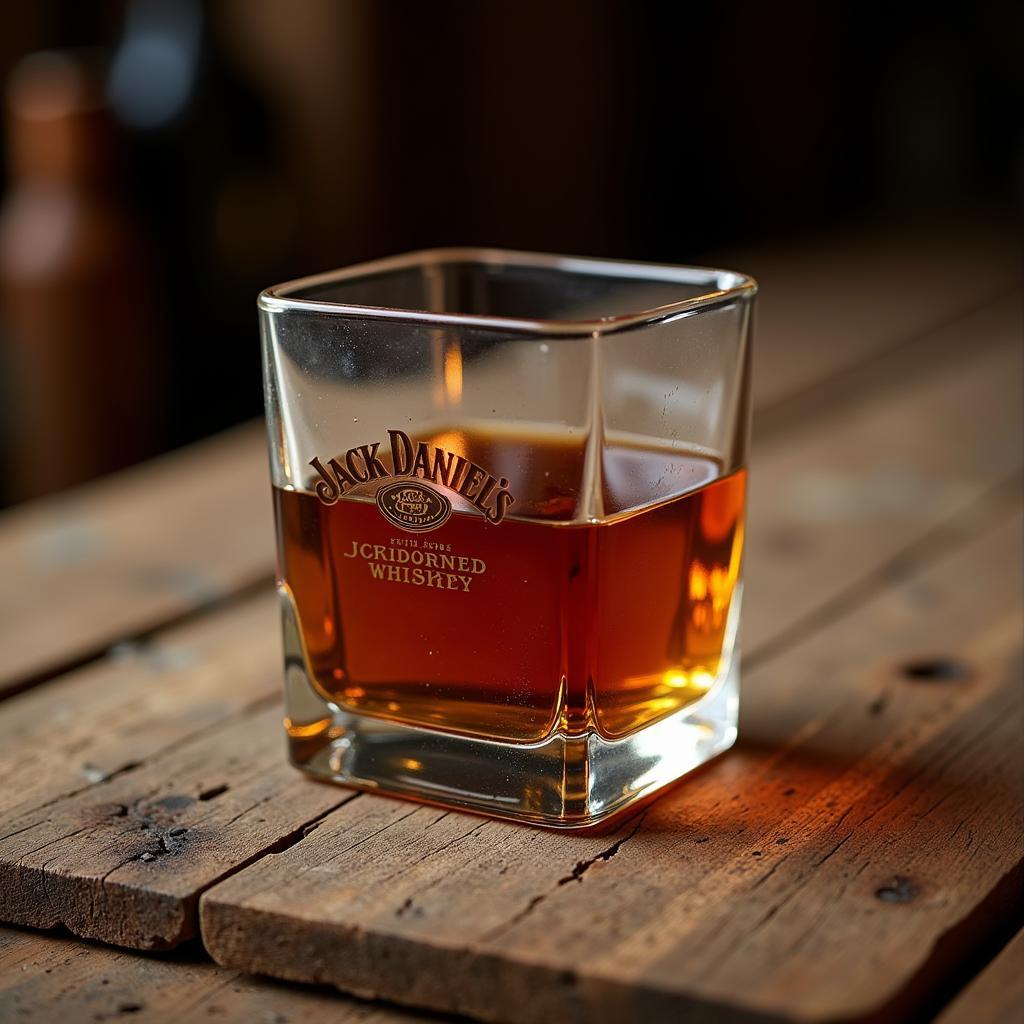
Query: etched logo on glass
point(413, 506)
point(409, 502)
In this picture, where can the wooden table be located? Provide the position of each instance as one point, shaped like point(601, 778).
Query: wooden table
point(858, 856)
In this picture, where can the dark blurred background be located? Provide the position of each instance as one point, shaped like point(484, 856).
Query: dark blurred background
point(165, 159)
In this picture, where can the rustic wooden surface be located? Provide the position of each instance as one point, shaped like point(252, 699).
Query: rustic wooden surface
point(145, 698)
point(865, 817)
point(117, 558)
point(46, 978)
point(841, 863)
point(125, 860)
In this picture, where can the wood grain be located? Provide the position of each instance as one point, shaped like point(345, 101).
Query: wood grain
point(829, 303)
point(117, 558)
point(112, 715)
point(883, 464)
point(856, 796)
point(46, 978)
point(123, 556)
point(829, 508)
point(823, 871)
point(122, 715)
point(996, 996)
point(125, 860)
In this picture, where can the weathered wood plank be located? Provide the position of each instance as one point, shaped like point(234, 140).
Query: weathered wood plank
point(45, 978)
point(880, 467)
point(827, 870)
point(114, 714)
point(834, 553)
point(996, 996)
point(829, 303)
point(125, 860)
point(126, 555)
point(117, 558)
point(829, 507)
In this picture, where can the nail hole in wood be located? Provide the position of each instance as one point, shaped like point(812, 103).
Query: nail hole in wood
point(213, 791)
point(934, 670)
point(898, 890)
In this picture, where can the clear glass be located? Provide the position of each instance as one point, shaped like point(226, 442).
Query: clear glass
point(509, 492)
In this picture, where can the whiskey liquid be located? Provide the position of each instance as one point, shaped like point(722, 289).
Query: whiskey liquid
point(538, 623)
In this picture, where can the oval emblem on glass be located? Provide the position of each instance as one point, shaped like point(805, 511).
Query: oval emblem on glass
point(414, 506)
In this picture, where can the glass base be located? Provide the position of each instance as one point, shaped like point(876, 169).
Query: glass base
point(561, 782)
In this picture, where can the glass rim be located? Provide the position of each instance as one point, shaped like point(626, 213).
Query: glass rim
point(724, 287)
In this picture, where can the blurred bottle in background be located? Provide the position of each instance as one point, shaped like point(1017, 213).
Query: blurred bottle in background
point(143, 211)
point(198, 138)
point(76, 331)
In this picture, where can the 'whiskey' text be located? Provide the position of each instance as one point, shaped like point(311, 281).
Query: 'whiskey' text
point(418, 568)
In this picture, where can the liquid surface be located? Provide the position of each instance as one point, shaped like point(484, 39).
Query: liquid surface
point(538, 623)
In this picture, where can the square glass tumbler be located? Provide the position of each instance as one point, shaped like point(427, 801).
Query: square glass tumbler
point(509, 493)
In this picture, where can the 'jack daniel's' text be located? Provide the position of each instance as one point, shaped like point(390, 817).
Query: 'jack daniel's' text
point(362, 464)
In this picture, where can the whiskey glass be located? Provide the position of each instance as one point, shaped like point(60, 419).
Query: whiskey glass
point(509, 493)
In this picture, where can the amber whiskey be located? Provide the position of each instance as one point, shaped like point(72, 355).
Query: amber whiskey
point(557, 619)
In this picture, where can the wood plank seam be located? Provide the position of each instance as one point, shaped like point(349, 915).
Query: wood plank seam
point(768, 417)
point(254, 707)
point(285, 843)
point(781, 415)
point(986, 511)
point(948, 537)
point(993, 726)
point(779, 411)
point(1002, 909)
point(467, 834)
point(829, 854)
point(46, 978)
point(38, 879)
point(996, 995)
point(947, 972)
point(123, 554)
point(951, 535)
point(901, 1008)
point(257, 585)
